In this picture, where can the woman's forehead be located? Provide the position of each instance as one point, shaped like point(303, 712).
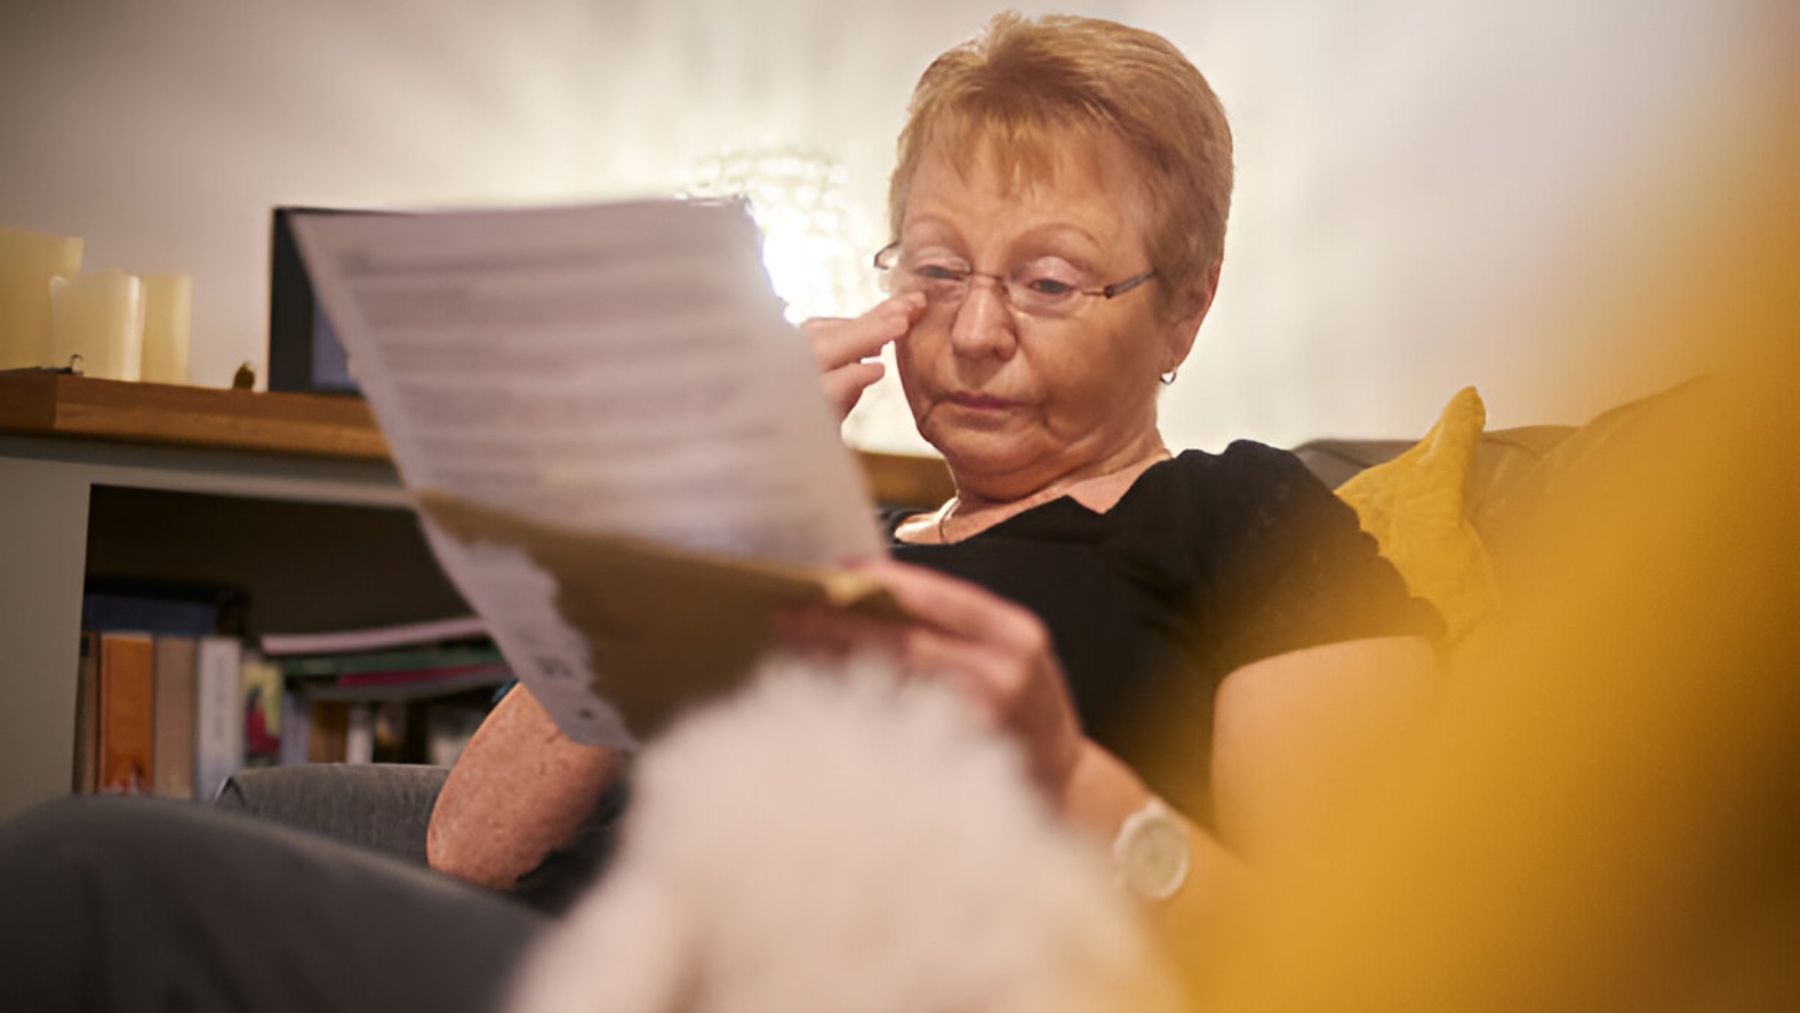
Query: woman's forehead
point(1019, 157)
point(1087, 179)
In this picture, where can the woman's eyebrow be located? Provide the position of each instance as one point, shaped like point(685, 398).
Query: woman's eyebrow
point(944, 229)
point(932, 225)
point(1061, 230)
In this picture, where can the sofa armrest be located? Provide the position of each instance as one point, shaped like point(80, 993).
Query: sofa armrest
point(383, 806)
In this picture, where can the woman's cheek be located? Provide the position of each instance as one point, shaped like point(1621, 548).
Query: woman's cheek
point(906, 349)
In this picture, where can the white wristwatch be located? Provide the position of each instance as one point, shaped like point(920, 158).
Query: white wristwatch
point(1151, 852)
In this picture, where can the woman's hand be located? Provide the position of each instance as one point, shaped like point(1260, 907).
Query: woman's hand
point(999, 655)
point(840, 344)
point(996, 653)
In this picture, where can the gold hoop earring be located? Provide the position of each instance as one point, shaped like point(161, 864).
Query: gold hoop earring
point(1167, 378)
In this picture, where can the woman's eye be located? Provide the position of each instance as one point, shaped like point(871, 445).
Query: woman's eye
point(1049, 287)
point(939, 272)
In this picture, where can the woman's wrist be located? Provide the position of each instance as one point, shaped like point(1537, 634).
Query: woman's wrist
point(1102, 795)
point(1101, 792)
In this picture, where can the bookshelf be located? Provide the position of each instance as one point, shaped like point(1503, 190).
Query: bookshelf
point(282, 494)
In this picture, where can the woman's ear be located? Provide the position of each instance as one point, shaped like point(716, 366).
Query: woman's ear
point(1187, 326)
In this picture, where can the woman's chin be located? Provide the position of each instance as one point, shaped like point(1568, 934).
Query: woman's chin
point(974, 454)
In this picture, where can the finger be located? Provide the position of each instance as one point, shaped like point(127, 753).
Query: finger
point(820, 628)
point(992, 676)
point(837, 341)
point(975, 670)
point(840, 342)
point(844, 385)
point(1001, 694)
point(981, 674)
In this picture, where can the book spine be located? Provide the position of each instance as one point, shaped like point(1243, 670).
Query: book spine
point(173, 742)
point(359, 734)
point(261, 711)
point(374, 639)
point(452, 676)
point(157, 615)
point(296, 728)
point(87, 717)
point(127, 709)
point(327, 730)
point(219, 715)
point(317, 666)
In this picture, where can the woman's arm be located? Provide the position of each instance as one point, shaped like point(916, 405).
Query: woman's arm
point(1291, 732)
point(1288, 726)
point(519, 789)
point(1294, 731)
point(998, 654)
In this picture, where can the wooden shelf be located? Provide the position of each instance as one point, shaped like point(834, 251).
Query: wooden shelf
point(289, 496)
point(36, 403)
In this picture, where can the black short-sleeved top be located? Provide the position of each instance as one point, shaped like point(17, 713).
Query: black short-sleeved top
point(1208, 561)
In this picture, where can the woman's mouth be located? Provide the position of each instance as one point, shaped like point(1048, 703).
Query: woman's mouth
point(981, 402)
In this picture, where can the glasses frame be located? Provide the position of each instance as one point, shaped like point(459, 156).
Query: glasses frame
point(884, 261)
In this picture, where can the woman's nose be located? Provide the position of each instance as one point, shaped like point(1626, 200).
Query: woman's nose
point(984, 325)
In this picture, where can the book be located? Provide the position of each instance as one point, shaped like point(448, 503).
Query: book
point(87, 716)
point(161, 607)
point(639, 605)
point(417, 684)
point(176, 669)
point(296, 728)
point(618, 444)
point(340, 665)
point(378, 638)
point(218, 714)
point(327, 726)
point(127, 705)
point(262, 703)
point(359, 733)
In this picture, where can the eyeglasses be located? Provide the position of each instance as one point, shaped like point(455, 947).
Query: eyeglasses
point(1034, 289)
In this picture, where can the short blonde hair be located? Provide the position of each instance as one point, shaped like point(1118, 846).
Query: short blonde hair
point(1023, 86)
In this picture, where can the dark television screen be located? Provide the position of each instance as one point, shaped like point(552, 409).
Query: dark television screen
point(304, 352)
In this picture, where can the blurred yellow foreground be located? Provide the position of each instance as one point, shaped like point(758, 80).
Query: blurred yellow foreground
point(1605, 813)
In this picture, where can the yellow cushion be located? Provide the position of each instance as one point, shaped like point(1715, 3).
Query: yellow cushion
point(1413, 506)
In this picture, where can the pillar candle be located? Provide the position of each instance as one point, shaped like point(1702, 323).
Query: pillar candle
point(168, 308)
point(99, 317)
point(28, 260)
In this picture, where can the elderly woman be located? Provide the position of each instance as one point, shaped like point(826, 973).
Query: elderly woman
point(1210, 630)
point(1181, 646)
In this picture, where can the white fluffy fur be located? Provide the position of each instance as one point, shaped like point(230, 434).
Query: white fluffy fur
point(852, 844)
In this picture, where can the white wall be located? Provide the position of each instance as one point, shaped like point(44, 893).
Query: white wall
point(1418, 180)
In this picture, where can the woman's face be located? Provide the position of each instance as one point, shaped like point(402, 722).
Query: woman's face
point(1017, 403)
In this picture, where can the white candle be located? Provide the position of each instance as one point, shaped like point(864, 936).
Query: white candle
point(168, 308)
point(28, 260)
point(99, 317)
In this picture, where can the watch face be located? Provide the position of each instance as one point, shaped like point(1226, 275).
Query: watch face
point(1152, 853)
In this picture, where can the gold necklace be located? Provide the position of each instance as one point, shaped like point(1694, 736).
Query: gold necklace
point(953, 503)
point(943, 515)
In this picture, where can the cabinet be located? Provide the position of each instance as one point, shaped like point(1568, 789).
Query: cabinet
point(290, 496)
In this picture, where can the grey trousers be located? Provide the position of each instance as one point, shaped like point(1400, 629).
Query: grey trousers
point(134, 904)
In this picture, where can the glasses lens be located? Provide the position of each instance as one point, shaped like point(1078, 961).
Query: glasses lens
point(1043, 296)
point(942, 278)
point(1046, 287)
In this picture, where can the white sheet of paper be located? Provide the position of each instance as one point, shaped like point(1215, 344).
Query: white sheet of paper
point(620, 368)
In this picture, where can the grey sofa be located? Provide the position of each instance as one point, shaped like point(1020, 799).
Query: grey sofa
point(387, 806)
point(383, 806)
